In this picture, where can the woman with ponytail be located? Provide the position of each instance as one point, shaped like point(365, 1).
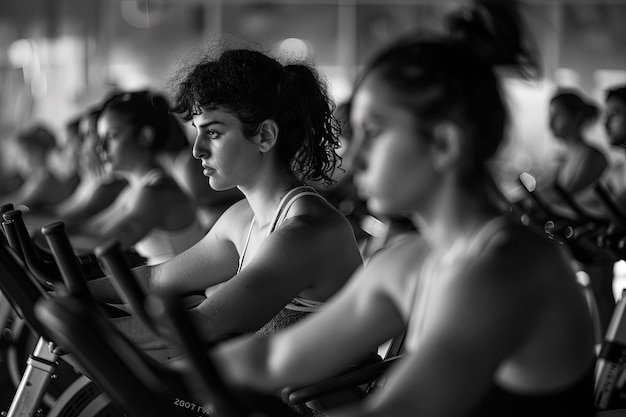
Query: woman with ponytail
point(496, 324)
point(134, 129)
point(278, 254)
point(583, 164)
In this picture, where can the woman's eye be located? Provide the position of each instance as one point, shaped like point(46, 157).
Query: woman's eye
point(371, 132)
point(211, 134)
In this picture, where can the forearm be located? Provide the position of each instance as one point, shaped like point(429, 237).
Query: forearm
point(215, 325)
point(243, 361)
point(105, 290)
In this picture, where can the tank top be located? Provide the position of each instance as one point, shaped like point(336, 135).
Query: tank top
point(298, 303)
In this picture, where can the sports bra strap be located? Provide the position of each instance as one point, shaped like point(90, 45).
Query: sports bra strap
point(280, 214)
point(287, 201)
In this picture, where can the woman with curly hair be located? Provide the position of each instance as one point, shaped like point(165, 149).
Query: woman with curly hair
point(281, 252)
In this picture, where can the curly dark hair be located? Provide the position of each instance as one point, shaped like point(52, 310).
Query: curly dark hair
point(256, 87)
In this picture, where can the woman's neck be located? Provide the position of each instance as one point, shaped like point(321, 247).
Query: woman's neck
point(264, 197)
point(457, 213)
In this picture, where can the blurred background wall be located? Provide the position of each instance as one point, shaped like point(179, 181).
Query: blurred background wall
point(59, 56)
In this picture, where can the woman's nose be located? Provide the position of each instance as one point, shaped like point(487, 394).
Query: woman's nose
point(199, 151)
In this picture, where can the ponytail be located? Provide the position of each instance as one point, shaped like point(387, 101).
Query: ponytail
point(306, 111)
point(496, 32)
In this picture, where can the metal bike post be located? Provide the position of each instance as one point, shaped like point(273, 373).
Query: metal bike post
point(40, 367)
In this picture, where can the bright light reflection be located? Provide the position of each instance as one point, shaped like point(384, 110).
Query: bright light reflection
point(297, 47)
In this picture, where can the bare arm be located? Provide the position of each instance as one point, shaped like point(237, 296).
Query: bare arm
point(209, 262)
point(101, 196)
point(35, 191)
point(460, 359)
point(299, 255)
point(359, 318)
point(131, 226)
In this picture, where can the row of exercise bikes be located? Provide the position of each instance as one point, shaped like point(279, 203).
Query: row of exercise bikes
point(66, 359)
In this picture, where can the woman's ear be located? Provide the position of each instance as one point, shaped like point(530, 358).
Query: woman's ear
point(267, 136)
point(447, 146)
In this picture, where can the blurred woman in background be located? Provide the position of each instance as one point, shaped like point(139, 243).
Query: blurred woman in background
point(42, 187)
point(98, 186)
point(582, 163)
point(153, 214)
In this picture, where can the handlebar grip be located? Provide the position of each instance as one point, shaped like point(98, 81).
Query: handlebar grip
point(6, 207)
point(66, 259)
point(123, 279)
point(46, 273)
point(10, 231)
point(3, 209)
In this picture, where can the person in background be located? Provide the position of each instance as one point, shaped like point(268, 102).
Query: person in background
point(42, 187)
point(496, 323)
point(97, 188)
point(133, 127)
point(583, 164)
point(580, 164)
point(615, 115)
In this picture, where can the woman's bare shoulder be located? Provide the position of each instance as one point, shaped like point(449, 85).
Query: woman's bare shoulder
point(392, 267)
point(235, 220)
point(524, 256)
point(315, 212)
